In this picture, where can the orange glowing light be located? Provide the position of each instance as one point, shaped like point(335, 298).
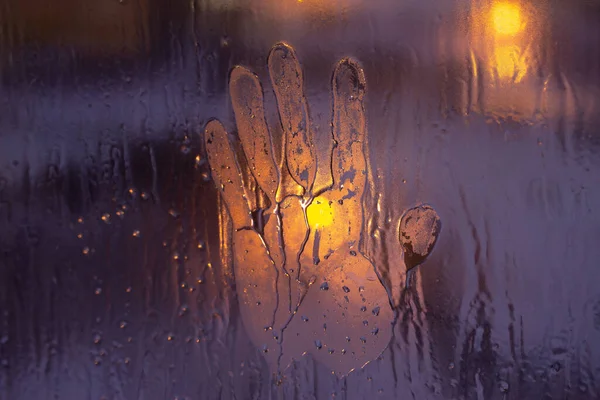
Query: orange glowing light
point(506, 19)
point(510, 63)
point(319, 213)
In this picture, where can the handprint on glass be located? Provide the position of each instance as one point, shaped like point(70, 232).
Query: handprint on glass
point(303, 284)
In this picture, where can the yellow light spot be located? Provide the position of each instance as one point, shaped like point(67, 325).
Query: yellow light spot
point(319, 213)
point(506, 18)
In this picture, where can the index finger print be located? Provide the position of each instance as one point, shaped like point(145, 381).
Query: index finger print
point(226, 174)
point(247, 100)
point(349, 165)
point(286, 77)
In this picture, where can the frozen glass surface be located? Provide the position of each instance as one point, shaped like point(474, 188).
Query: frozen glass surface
point(299, 199)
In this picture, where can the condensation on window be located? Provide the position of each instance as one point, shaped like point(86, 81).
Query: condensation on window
point(299, 199)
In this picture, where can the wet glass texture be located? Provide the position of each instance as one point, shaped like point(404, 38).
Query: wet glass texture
point(299, 199)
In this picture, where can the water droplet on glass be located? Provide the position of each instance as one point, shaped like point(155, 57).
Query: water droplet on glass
point(174, 213)
point(136, 233)
point(122, 324)
point(201, 244)
point(346, 289)
point(363, 309)
point(503, 385)
point(106, 218)
point(318, 344)
point(225, 41)
point(324, 286)
point(363, 340)
point(97, 338)
point(376, 311)
point(182, 310)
